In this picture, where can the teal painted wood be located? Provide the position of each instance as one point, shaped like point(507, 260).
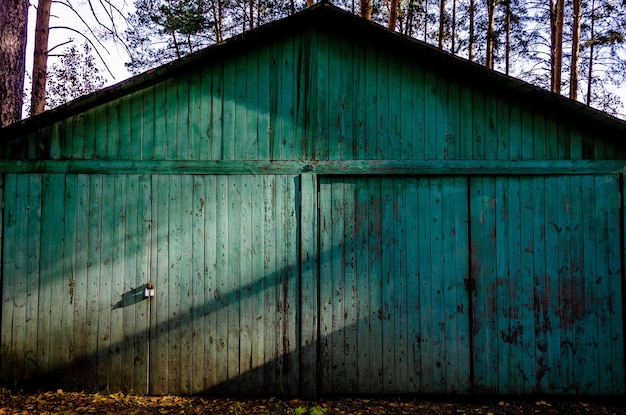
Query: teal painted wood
point(565, 274)
point(381, 326)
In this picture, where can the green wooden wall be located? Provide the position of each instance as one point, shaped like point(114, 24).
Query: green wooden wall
point(325, 211)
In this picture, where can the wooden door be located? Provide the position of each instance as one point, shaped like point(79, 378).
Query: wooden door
point(394, 311)
point(546, 260)
point(224, 260)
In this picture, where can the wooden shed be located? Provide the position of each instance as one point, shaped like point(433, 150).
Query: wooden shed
point(323, 207)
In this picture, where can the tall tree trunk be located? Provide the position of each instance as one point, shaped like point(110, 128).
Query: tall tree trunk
point(40, 57)
point(453, 29)
point(556, 46)
point(251, 13)
point(592, 36)
point(442, 23)
point(366, 9)
point(393, 14)
point(13, 20)
point(573, 75)
point(309, 3)
point(470, 46)
point(507, 52)
point(491, 19)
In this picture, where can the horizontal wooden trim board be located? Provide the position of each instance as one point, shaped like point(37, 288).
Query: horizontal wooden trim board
point(350, 167)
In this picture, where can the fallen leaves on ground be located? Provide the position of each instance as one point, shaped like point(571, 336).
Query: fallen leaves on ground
point(61, 402)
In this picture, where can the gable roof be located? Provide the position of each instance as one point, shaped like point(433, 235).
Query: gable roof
point(325, 16)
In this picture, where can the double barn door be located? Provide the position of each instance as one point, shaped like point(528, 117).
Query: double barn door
point(471, 284)
point(279, 284)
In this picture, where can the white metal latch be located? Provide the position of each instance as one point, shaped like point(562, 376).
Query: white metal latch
point(149, 291)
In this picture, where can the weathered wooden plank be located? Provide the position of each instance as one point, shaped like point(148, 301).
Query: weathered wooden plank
point(364, 316)
point(251, 98)
point(125, 273)
point(233, 283)
point(514, 132)
point(113, 137)
point(118, 317)
point(8, 359)
point(33, 273)
point(211, 292)
point(161, 114)
point(172, 321)
point(245, 285)
point(222, 288)
point(200, 113)
point(68, 280)
point(182, 117)
point(263, 103)
point(490, 127)
point(216, 135)
point(197, 297)
point(388, 278)
point(257, 278)
point(375, 280)
point(270, 280)
point(368, 167)
point(187, 285)
point(504, 129)
point(326, 286)
point(350, 310)
point(321, 131)
point(413, 245)
point(309, 311)
point(286, 139)
point(146, 120)
point(170, 118)
point(127, 140)
point(292, 189)
point(131, 126)
point(78, 136)
point(400, 295)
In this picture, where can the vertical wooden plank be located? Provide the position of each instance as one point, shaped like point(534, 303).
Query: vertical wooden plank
point(170, 118)
point(610, 339)
point(309, 287)
point(551, 138)
point(452, 149)
point(118, 317)
point(323, 92)
point(172, 321)
point(125, 273)
point(211, 293)
point(335, 115)
point(501, 285)
point(245, 271)
point(161, 113)
point(287, 88)
point(466, 109)
point(263, 103)
point(540, 146)
point(68, 280)
point(527, 288)
point(504, 129)
point(346, 101)
point(146, 121)
point(200, 115)
point(222, 288)
point(100, 132)
point(413, 246)
point(387, 287)
point(515, 132)
point(479, 118)
point(105, 276)
point(159, 307)
point(292, 284)
point(252, 131)
point(427, 355)
point(186, 286)
point(340, 371)
point(216, 129)
point(382, 105)
point(326, 288)
point(183, 114)
point(370, 75)
point(375, 278)
point(482, 259)
point(239, 91)
point(591, 321)
point(33, 271)
point(350, 304)
point(233, 283)
point(437, 336)
point(491, 124)
point(78, 136)
point(113, 130)
point(270, 280)
point(8, 360)
point(126, 139)
point(541, 296)
point(197, 295)
point(20, 288)
point(400, 306)
point(395, 110)
point(407, 123)
point(131, 126)
point(257, 276)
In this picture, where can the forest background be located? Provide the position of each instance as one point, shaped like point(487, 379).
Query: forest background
point(73, 47)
